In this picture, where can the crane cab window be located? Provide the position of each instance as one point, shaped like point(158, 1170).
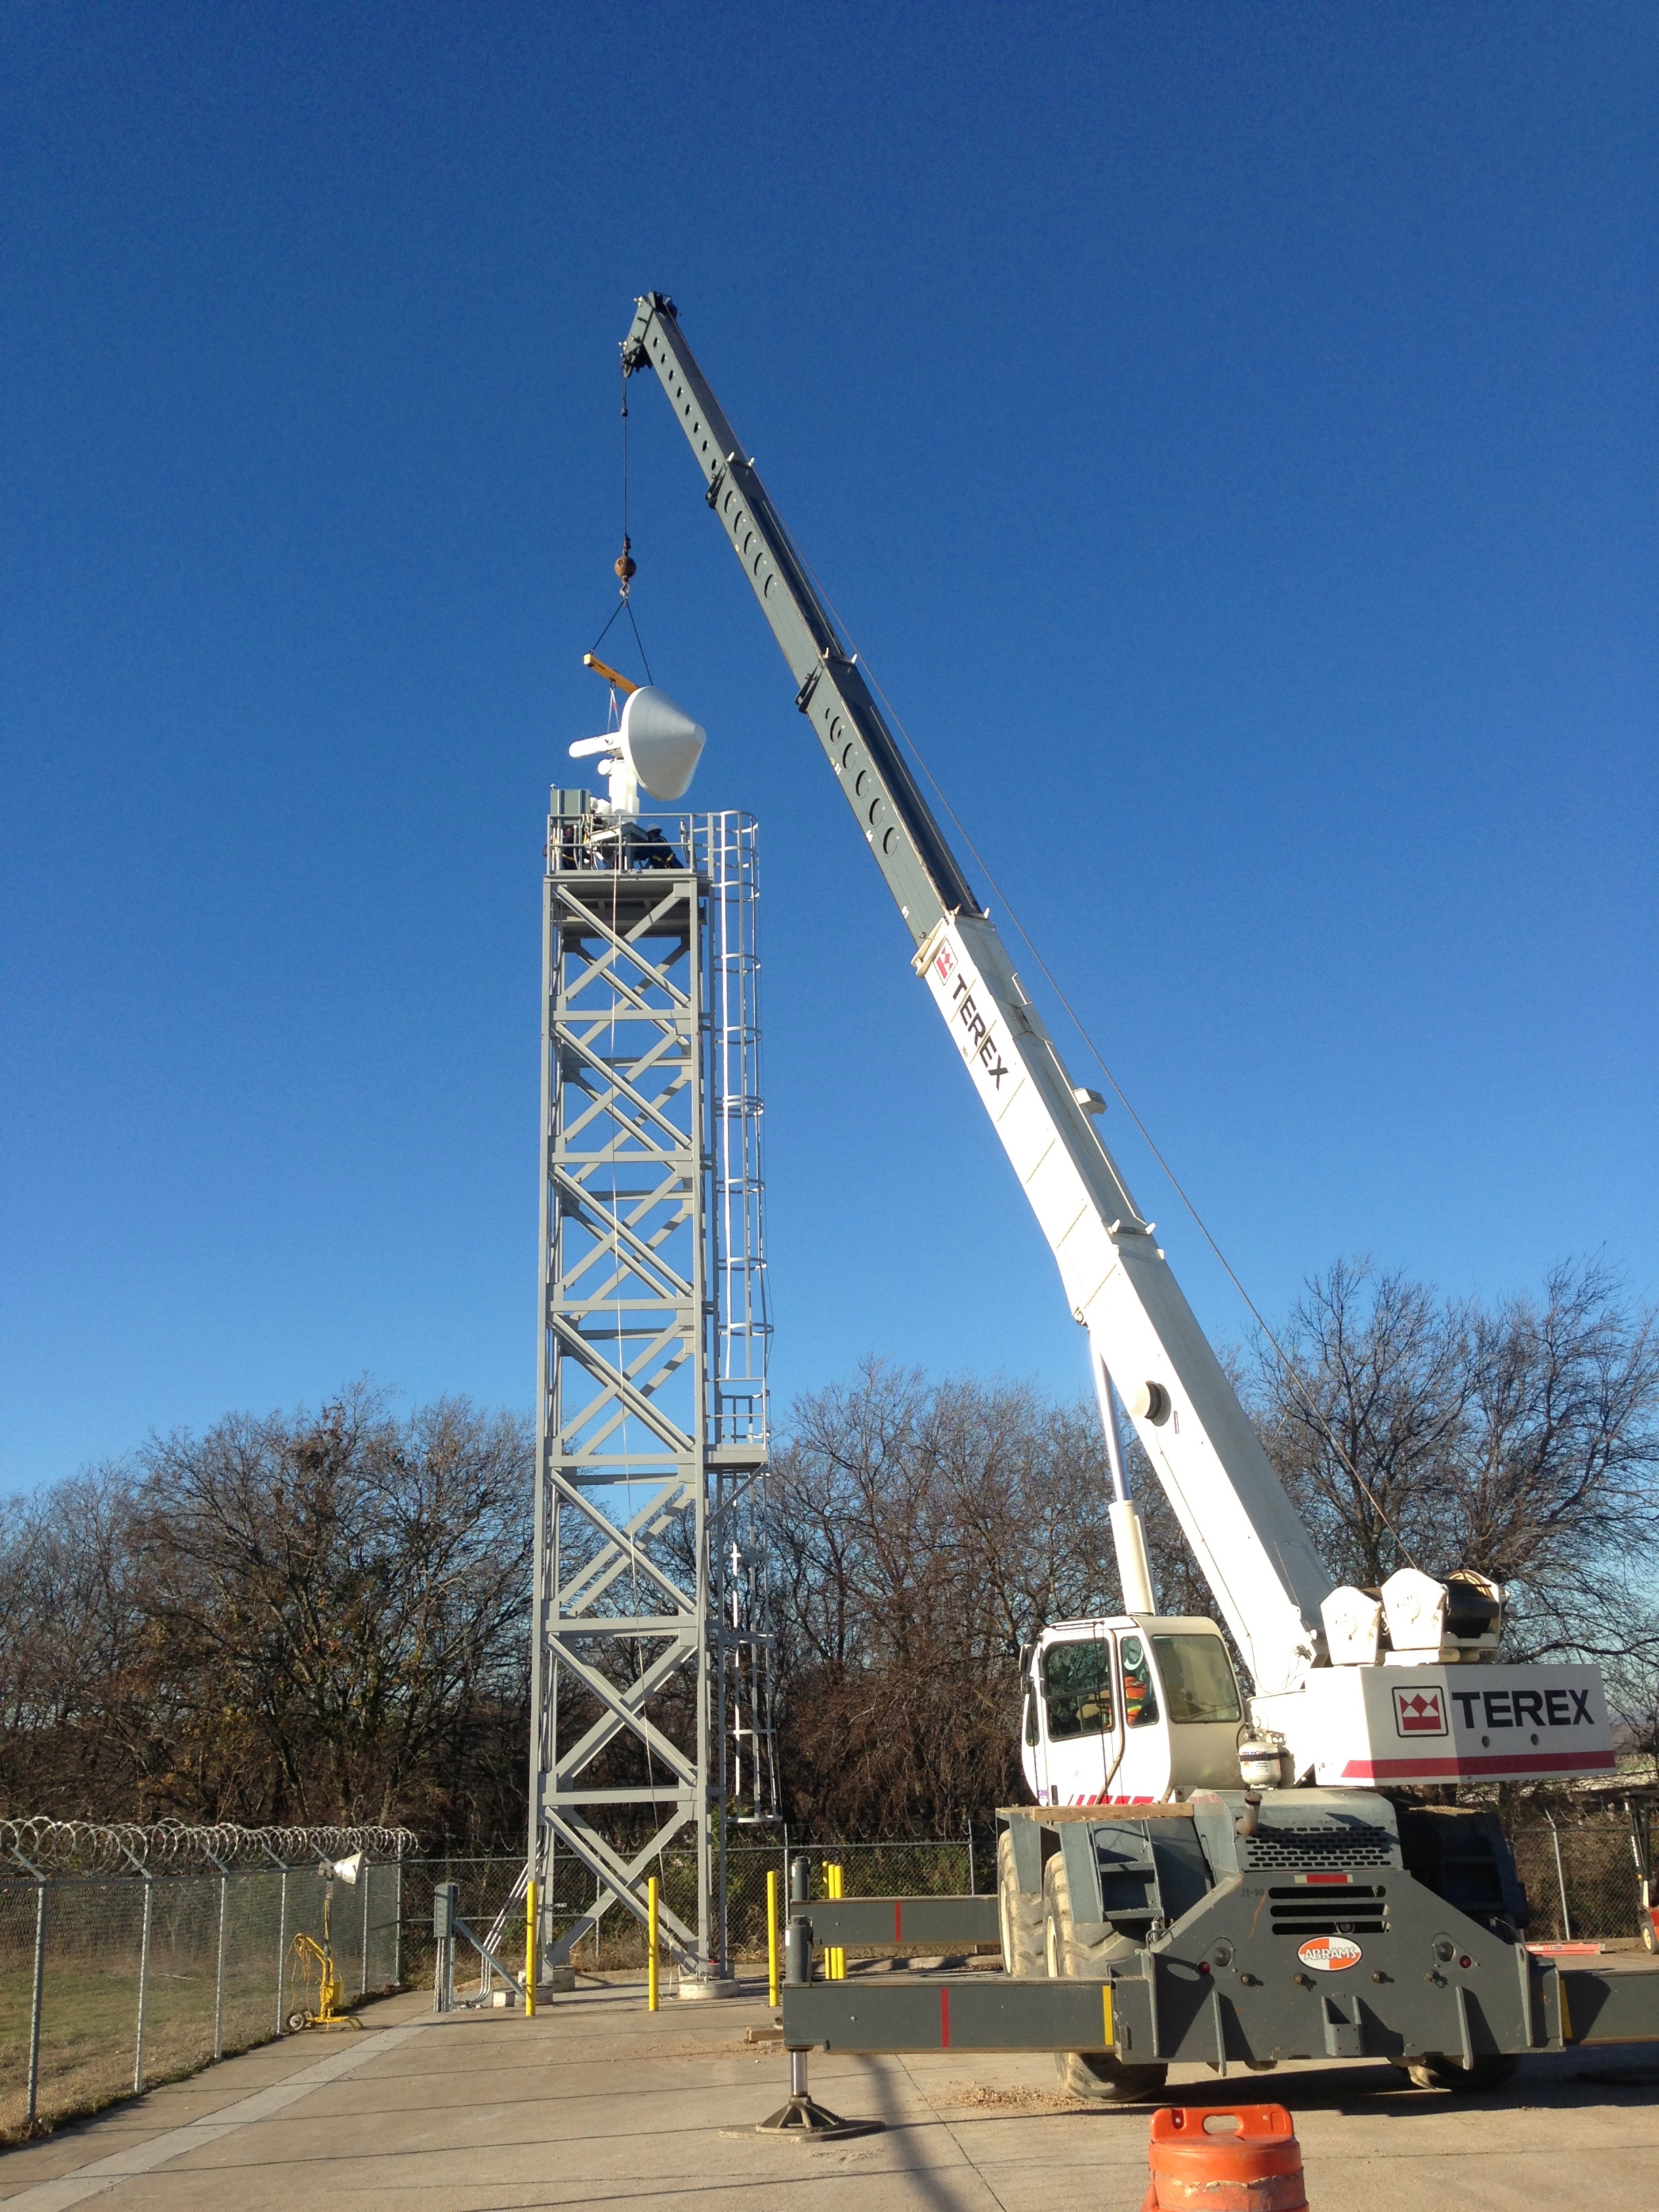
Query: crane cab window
point(1077, 1688)
point(1198, 1678)
point(1139, 1693)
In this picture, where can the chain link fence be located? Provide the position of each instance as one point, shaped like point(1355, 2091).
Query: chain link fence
point(110, 1982)
point(946, 1867)
point(113, 1981)
point(491, 1903)
point(492, 1890)
point(1581, 1881)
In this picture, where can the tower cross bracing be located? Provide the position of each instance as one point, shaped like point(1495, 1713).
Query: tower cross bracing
point(651, 1414)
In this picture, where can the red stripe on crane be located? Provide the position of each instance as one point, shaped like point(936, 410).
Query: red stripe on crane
point(1418, 1769)
point(898, 1919)
point(944, 2020)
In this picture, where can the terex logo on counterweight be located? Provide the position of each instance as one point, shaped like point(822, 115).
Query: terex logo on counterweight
point(980, 1045)
point(1419, 1712)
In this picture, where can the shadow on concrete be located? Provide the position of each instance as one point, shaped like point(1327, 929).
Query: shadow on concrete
point(1559, 2079)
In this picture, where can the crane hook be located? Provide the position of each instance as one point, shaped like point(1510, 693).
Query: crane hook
point(625, 566)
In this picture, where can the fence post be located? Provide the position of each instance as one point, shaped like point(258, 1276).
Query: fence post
point(398, 1925)
point(143, 1985)
point(772, 1935)
point(1560, 1879)
point(219, 1973)
point(446, 1909)
point(362, 1984)
point(34, 2003)
point(972, 1886)
point(282, 1951)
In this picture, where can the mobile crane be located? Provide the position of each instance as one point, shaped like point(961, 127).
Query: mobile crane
point(1203, 1874)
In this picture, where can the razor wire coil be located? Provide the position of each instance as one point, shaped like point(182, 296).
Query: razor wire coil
point(98, 1847)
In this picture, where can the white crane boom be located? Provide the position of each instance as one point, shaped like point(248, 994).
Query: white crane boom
point(1254, 1552)
point(1248, 1541)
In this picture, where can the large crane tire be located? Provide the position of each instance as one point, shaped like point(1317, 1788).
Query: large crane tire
point(1019, 1916)
point(1096, 2076)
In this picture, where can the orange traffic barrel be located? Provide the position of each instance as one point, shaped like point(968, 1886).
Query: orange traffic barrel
point(1224, 2158)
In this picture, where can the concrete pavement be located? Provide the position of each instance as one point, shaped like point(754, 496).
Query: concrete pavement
point(597, 2103)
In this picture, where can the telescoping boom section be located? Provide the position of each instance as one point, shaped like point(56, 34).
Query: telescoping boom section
point(1251, 1546)
point(1316, 1654)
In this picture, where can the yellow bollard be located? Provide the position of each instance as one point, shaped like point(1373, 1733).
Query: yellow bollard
point(651, 1941)
point(530, 1951)
point(772, 1937)
point(835, 1964)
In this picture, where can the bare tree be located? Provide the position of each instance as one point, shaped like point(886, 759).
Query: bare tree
point(333, 1600)
point(918, 1533)
point(289, 1618)
point(1521, 1440)
point(75, 1701)
point(318, 1616)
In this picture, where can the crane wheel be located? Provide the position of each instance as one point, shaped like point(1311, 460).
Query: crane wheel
point(1097, 2076)
point(1019, 1916)
point(1440, 2072)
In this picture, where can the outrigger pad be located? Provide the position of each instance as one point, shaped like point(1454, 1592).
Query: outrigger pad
point(803, 2116)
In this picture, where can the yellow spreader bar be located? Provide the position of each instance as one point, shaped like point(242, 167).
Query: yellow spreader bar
point(611, 675)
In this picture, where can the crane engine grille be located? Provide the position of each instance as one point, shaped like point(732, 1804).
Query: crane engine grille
point(1354, 1846)
point(1354, 1910)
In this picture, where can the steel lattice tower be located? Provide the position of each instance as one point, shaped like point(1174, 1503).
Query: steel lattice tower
point(653, 1332)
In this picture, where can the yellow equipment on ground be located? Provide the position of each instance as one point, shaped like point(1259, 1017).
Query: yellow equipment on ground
point(315, 1991)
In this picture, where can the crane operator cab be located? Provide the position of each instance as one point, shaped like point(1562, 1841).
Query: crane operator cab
point(1131, 1711)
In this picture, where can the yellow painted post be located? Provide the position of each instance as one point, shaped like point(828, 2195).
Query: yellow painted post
point(651, 1940)
point(530, 1951)
point(772, 1936)
point(835, 1964)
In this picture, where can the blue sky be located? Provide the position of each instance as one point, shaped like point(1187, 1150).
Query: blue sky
point(1228, 432)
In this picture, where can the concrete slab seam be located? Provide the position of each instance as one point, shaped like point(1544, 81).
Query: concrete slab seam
point(105, 2173)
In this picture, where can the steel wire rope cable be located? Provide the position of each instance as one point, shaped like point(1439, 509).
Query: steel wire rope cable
point(625, 570)
point(1297, 1380)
